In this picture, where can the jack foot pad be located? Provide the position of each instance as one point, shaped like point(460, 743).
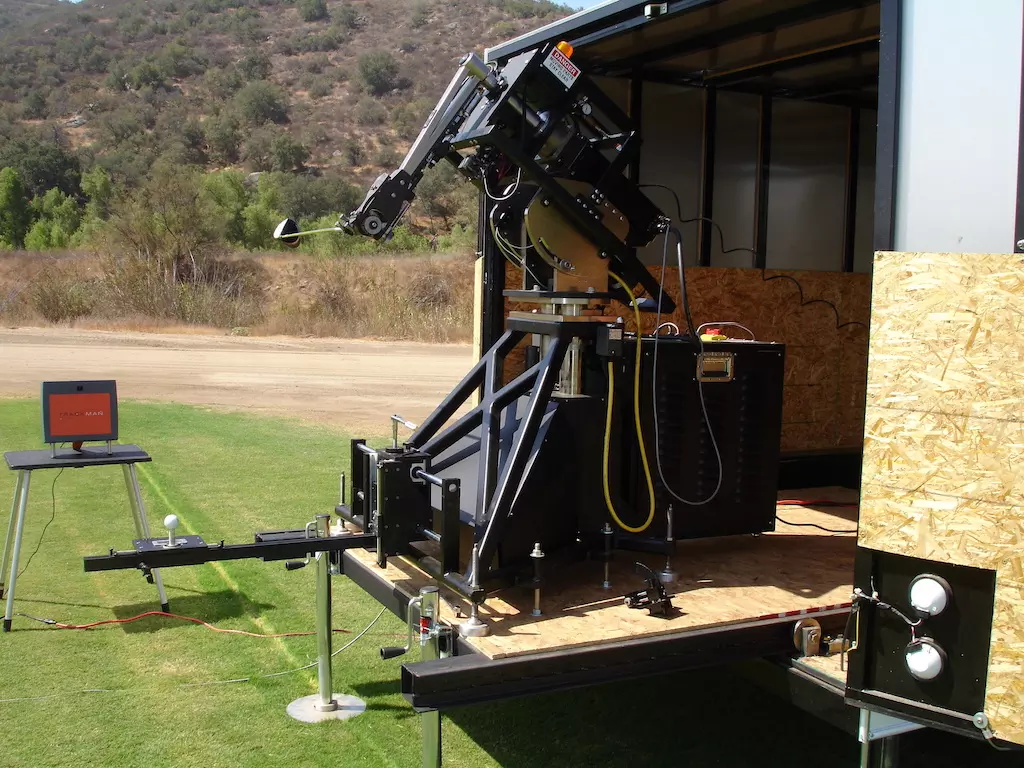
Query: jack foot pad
point(306, 710)
point(165, 607)
point(473, 627)
point(7, 625)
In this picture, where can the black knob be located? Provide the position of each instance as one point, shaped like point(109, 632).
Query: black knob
point(294, 565)
point(392, 652)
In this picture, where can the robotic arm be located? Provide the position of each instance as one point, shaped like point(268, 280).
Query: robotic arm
point(549, 151)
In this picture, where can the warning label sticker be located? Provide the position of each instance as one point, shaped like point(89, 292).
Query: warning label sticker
point(561, 67)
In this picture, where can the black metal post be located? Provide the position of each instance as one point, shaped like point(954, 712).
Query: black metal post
point(887, 151)
point(764, 154)
point(852, 176)
point(451, 495)
point(707, 177)
point(493, 310)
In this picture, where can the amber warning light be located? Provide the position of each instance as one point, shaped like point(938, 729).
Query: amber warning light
point(79, 411)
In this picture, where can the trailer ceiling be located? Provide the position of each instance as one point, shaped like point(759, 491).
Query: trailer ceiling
point(815, 50)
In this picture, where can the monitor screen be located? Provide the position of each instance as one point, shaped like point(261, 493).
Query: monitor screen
point(79, 411)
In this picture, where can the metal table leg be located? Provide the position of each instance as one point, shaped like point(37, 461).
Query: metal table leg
point(24, 477)
point(883, 753)
point(131, 480)
point(8, 549)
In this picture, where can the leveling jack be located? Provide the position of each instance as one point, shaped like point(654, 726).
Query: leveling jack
point(435, 643)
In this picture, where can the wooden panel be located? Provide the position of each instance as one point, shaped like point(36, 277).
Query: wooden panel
point(721, 581)
point(826, 366)
point(944, 435)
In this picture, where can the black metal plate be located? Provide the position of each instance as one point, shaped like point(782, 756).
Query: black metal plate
point(963, 631)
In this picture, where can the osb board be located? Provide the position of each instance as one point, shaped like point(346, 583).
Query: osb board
point(721, 582)
point(826, 366)
point(829, 667)
point(944, 435)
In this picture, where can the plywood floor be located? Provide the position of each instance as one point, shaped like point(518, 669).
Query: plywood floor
point(722, 581)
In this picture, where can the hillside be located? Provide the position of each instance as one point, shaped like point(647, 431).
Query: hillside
point(336, 87)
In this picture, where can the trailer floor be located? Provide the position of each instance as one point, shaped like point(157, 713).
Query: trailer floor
point(722, 582)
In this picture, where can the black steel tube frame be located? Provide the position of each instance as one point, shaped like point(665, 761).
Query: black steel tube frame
point(707, 176)
point(764, 170)
point(887, 141)
point(852, 178)
point(283, 548)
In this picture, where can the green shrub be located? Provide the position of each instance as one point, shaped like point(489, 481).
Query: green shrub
point(379, 71)
point(312, 10)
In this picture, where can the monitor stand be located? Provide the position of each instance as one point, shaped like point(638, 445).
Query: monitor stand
point(77, 448)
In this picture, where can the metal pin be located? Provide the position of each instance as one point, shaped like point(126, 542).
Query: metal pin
point(668, 574)
point(538, 556)
point(607, 533)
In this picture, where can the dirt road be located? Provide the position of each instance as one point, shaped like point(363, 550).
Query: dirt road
point(354, 384)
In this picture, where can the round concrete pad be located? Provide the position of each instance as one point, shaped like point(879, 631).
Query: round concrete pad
point(305, 710)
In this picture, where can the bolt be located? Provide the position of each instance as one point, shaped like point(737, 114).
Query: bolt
point(452, 488)
point(1020, 245)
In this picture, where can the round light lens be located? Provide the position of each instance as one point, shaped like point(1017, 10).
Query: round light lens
point(925, 660)
point(929, 594)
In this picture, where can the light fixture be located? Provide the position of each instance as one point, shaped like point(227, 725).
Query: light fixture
point(930, 594)
point(925, 659)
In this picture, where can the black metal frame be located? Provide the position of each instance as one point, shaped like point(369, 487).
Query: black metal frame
point(852, 178)
point(707, 176)
point(268, 546)
point(763, 180)
point(887, 141)
point(499, 479)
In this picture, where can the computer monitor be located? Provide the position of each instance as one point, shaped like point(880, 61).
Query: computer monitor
point(79, 411)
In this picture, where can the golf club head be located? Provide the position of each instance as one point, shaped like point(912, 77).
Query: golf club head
point(287, 232)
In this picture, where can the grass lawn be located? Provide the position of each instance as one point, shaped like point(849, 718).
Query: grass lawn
point(225, 476)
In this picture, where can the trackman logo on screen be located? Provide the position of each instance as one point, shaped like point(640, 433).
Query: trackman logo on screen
point(79, 414)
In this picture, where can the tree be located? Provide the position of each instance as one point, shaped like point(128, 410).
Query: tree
point(259, 102)
point(313, 10)
point(41, 165)
point(99, 189)
point(255, 65)
point(258, 151)
point(289, 153)
point(379, 70)
point(58, 219)
point(442, 194)
point(15, 213)
point(223, 137)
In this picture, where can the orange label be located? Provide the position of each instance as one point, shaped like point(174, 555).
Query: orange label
point(80, 414)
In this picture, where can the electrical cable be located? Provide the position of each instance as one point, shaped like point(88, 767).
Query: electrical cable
point(639, 427)
point(53, 514)
point(727, 324)
point(248, 679)
point(764, 276)
point(815, 525)
point(508, 195)
point(112, 622)
point(666, 325)
point(684, 297)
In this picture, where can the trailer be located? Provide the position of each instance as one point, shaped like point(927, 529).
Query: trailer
point(832, 166)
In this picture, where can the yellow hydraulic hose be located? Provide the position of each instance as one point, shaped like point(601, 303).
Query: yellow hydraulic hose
point(636, 416)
